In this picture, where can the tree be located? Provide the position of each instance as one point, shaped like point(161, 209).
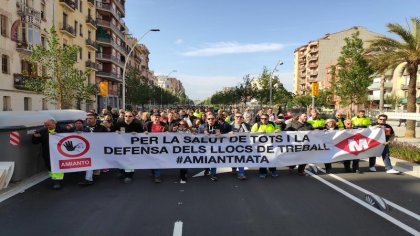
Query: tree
point(60, 83)
point(352, 74)
point(392, 99)
point(389, 53)
point(245, 90)
point(263, 92)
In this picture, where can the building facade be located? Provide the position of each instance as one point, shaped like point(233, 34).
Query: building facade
point(313, 60)
point(24, 23)
point(76, 25)
point(112, 50)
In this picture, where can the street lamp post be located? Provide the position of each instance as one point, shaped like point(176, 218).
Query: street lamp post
point(127, 59)
point(280, 62)
point(161, 89)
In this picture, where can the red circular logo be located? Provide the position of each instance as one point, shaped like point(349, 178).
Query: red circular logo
point(73, 146)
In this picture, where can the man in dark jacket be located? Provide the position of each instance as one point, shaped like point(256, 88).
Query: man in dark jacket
point(130, 125)
point(42, 136)
point(93, 127)
point(300, 124)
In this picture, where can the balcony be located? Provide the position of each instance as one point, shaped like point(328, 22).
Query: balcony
point(377, 86)
point(313, 65)
point(121, 5)
point(91, 44)
point(313, 50)
point(110, 42)
point(313, 73)
point(68, 4)
point(106, 8)
point(109, 58)
point(376, 97)
point(91, 22)
point(405, 86)
point(312, 58)
point(108, 24)
point(19, 81)
point(68, 30)
point(24, 47)
point(92, 65)
point(311, 80)
point(109, 75)
point(24, 10)
point(91, 2)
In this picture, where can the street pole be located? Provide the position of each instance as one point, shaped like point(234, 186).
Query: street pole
point(127, 59)
point(271, 81)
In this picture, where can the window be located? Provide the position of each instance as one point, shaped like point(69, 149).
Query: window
point(4, 25)
point(43, 41)
point(5, 64)
point(81, 6)
point(89, 56)
point(76, 4)
point(75, 27)
point(7, 103)
point(27, 104)
point(43, 14)
point(89, 34)
point(64, 19)
point(81, 53)
point(44, 104)
point(81, 30)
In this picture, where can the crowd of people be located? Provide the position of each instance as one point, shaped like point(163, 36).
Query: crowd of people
point(206, 121)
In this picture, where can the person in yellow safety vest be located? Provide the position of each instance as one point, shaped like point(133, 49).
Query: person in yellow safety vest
point(43, 136)
point(198, 113)
point(316, 121)
point(339, 119)
point(268, 127)
point(360, 121)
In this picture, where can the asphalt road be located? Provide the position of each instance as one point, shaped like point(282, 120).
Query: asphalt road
point(286, 205)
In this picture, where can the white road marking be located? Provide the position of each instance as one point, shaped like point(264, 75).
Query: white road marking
point(218, 171)
point(177, 228)
point(21, 187)
point(394, 205)
point(366, 205)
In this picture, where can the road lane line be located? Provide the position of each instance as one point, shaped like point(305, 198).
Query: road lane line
point(394, 205)
point(177, 228)
point(366, 205)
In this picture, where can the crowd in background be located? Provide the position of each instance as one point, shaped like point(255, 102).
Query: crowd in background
point(208, 120)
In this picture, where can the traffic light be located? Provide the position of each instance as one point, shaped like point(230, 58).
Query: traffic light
point(315, 88)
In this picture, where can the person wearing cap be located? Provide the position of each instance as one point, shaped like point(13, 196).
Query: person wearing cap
point(156, 126)
point(339, 119)
point(129, 125)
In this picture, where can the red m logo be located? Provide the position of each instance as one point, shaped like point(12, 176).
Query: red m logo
point(357, 144)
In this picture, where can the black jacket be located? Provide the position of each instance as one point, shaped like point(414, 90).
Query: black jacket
point(45, 141)
point(134, 126)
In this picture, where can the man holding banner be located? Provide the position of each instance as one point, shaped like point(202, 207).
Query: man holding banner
point(300, 124)
point(129, 125)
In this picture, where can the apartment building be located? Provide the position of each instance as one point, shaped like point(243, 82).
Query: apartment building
point(76, 25)
point(139, 59)
point(313, 60)
point(112, 50)
point(23, 25)
point(171, 84)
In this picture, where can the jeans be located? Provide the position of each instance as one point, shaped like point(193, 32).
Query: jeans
point(385, 158)
point(156, 173)
point(89, 175)
point(213, 171)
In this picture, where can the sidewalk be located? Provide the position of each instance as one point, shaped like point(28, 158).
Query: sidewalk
point(405, 167)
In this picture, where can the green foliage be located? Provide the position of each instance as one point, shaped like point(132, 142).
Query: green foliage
point(352, 74)
point(405, 151)
point(387, 53)
point(61, 82)
point(392, 99)
point(301, 101)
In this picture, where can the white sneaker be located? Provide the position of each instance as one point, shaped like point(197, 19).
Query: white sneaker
point(182, 181)
point(392, 171)
point(372, 169)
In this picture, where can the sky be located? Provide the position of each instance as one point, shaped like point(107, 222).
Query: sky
point(213, 44)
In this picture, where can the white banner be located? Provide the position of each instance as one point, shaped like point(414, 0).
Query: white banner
point(88, 151)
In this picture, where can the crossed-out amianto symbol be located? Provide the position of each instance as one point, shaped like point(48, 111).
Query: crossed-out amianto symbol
point(357, 143)
point(73, 146)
